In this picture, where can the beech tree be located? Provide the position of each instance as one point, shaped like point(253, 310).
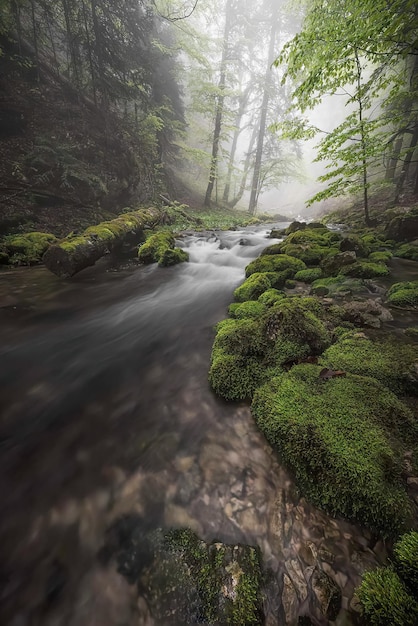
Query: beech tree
point(357, 49)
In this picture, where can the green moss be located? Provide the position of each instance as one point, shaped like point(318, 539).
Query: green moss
point(101, 231)
point(323, 238)
point(247, 352)
point(406, 560)
point(249, 309)
point(160, 248)
point(385, 600)
point(412, 333)
point(274, 249)
point(365, 269)
point(28, 248)
point(308, 276)
point(310, 254)
point(336, 437)
point(380, 257)
point(271, 296)
point(407, 251)
point(173, 256)
point(254, 286)
point(390, 362)
point(336, 285)
point(236, 377)
point(290, 284)
point(275, 263)
point(352, 242)
point(371, 242)
point(404, 295)
point(205, 583)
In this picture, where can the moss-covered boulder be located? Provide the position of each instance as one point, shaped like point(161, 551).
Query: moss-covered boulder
point(28, 248)
point(271, 296)
point(160, 248)
point(311, 254)
point(365, 269)
point(332, 265)
point(355, 244)
point(394, 364)
point(249, 309)
point(338, 286)
point(309, 275)
point(403, 227)
point(342, 437)
point(295, 226)
point(255, 285)
point(407, 251)
point(404, 295)
point(380, 256)
point(406, 560)
point(275, 263)
point(385, 600)
point(190, 581)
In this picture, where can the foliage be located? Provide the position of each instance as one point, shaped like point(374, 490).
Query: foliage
point(336, 437)
point(385, 599)
point(407, 251)
point(404, 295)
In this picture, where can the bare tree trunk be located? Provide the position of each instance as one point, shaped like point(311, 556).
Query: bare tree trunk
point(247, 166)
point(264, 108)
point(35, 38)
point(220, 105)
point(393, 159)
point(241, 110)
point(89, 52)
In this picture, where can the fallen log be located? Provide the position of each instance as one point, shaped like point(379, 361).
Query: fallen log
point(75, 252)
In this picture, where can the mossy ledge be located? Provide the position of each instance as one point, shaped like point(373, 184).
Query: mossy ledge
point(74, 253)
point(160, 248)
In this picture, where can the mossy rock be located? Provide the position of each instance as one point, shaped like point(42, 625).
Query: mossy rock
point(310, 254)
point(295, 226)
point(28, 248)
point(247, 352)
point(271, 296)
point(324, 237)
point(337, 436)
point(254, 286)
point(404, 295)
point(276, 248)
point(249, 309)
point(338, 285)
point(406, 560)
point(188, 581)
point(160, 248)
point(380, 256)
point(309, 275)
point(275, 263)
point(392, 363)
point(412, 333)
point(372, 242)
point(277, 233)
point(365, 269)
point(354, 244)
point(407, 251)
point(385, 600)
point(290, 284)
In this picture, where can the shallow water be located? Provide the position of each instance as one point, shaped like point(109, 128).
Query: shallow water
point(106, 410)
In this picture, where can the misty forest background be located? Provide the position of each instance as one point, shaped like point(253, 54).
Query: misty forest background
point(206, 102)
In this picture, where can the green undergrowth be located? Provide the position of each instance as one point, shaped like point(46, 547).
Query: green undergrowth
point(407, 251)
point(160, 248)
point(343, 439)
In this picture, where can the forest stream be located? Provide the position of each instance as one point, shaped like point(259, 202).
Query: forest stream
point(107, 411)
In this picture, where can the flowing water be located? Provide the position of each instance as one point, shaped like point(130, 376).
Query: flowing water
point(106, 411)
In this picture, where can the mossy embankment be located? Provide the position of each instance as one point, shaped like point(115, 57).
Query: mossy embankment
point(329, 392)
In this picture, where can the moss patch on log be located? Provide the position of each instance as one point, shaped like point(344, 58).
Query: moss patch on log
point(26, 249)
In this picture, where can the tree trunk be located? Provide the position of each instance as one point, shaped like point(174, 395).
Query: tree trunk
point(74, 254)
point(244, 178)
point(405, 169)
point(264, 108)
point(393, 159)
point(220, 105)
point(241, 110)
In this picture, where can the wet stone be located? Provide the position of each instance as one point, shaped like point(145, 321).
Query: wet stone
point(327, 593)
